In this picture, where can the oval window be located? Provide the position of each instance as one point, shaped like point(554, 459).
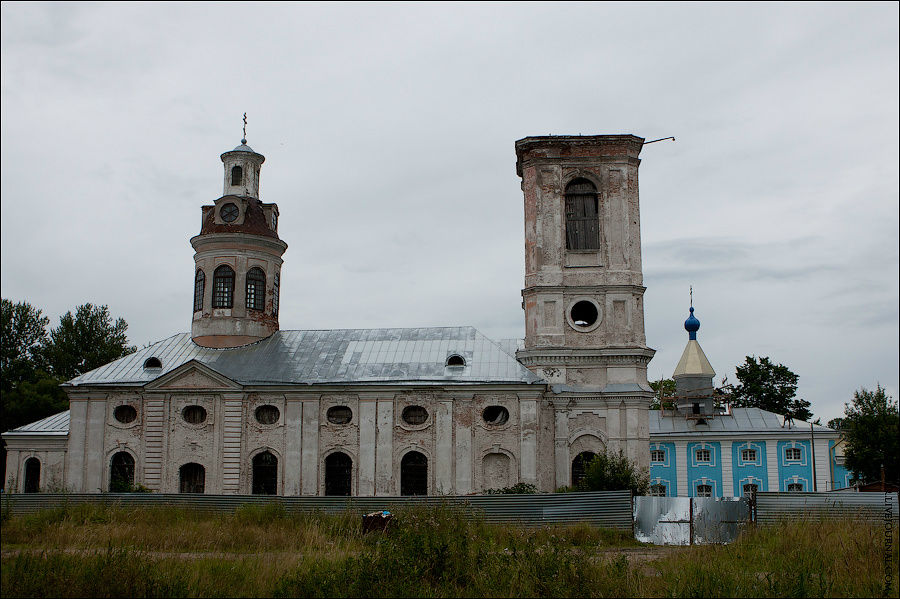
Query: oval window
point(267, 414)
point(584, 313)
point(415, 415)
point(495, 415)
point(194, 414)
point(125, 414)
point(339, 415)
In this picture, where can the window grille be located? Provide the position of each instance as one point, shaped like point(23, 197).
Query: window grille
point(703, 455)
point(657, 455)
point(237, 175)
point(657, 490)
point(223, 287)
point(199, 287)
point(704, 490)
point(582, 220)
point(256, 289)
point(795, 488)
point(792, 453)
point(415, 415)
point(194, 414)
point(750, 489)
point(748, 455)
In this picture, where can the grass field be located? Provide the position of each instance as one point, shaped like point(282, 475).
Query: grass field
point(94, 551)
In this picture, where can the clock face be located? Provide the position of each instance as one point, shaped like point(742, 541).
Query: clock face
point(229, 212)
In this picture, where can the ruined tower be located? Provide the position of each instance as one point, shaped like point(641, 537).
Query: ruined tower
point(238, 259)
point(583, 293)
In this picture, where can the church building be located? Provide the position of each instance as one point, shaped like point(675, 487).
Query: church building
point(239, 406)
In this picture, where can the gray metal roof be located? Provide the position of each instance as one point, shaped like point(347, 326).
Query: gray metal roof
point(343, 356)
point(741, 420)
point(58, 424)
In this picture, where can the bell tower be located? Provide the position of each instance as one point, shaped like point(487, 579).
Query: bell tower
point(583, 293)
point(237, 274)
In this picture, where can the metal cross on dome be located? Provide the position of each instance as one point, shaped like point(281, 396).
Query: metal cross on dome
point(244, 139)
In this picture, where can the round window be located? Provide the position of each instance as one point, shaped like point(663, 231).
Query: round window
point(125, 414)
point(339, 415)
point(229, 212)
point(194, 414)
point(584, 314)
point(267, 414)
point(495, 415)
point(415, 415)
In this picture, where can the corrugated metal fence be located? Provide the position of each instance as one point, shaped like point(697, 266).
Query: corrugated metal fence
point(609, 509)
point(772, 507)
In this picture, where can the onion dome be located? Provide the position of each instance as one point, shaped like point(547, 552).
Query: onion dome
point(692, 325)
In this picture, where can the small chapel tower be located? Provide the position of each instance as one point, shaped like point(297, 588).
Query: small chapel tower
point(237, 259)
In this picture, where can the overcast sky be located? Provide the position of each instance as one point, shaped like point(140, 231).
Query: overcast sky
point(388, 133)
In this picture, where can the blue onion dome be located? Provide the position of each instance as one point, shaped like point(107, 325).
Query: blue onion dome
point(692, 325)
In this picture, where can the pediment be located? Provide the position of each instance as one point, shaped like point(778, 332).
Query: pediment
point(193, 375)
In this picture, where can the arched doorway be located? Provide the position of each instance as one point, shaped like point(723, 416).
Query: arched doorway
point(32, 475)
point(414, 474)
point(192, 478)
point(121, 473)
point(265, 474)
point(338, 471)
point(580, 464)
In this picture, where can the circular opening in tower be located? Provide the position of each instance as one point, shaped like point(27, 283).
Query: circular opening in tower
point(229, 212)
point(125, 414)
point(584, 313)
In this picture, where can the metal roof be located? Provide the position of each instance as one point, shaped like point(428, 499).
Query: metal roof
point(342, 356)
point(693, 361)
point(741, 420)
point(58, 424)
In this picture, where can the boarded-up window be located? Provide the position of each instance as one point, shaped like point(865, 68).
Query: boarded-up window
point(223, 287)
point(338, 470)
point(256, 289)
point(192, 478)
point(580, 466)
point(582, 219)
point(32, 475)
point(265, 474)
point(121, 473)
point(199, 287)
point(414, 474)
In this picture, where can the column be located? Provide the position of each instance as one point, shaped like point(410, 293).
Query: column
point(293, 454)
point(443, 459)
point(309, 471)
point(727, 471)
point(561, 438)
point(384, 448)
point(368, 409)
point(681, 469)
point(528, 440)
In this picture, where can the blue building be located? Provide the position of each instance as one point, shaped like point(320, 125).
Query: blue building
point(699, 450)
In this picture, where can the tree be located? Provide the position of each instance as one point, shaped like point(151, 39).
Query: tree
point(870, 425)
point(769, 386)
point(24, 333)
point(665, 391)
point(85, 341)
point(613, 472)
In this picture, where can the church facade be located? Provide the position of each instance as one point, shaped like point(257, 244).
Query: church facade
point(238, 406)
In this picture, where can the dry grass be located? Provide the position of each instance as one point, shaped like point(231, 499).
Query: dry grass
point(262, 551)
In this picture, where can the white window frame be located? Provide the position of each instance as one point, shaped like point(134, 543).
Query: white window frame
point(705, 453)
point(789, 451)
point(658, 452)
point(706, 486)
point(748, 455)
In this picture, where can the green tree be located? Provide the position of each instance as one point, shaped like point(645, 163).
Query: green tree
point(24, 333)
point(665, 391)
point(870, 425)
point(769, 386)
point(610, 471)
point(86, 340)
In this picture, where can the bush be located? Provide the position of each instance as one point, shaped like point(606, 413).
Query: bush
point(516, 489)
point(613, 472)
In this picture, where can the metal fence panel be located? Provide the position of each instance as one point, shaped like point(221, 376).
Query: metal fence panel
point(772, 507)
point(662, 520)
point(719, 519)
point(609, 509)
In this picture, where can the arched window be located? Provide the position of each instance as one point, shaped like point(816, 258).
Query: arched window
point(237, 175)
point(580, 466)
point(582, 219)
point(256, 289)
point(199, 287)
point(275, 290)
point(192, 478)
point(414, 474)
point(265, 474)
point(338, 470)
point(32, 475)
point(223, 287)
point(121, 473)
